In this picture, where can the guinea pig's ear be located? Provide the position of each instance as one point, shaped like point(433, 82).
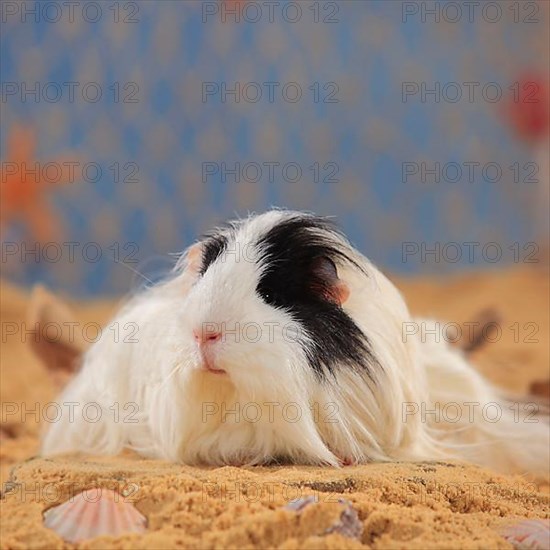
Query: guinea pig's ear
point(325, 280)
point(193, 259)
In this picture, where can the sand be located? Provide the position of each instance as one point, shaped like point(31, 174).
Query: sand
point(427, 505)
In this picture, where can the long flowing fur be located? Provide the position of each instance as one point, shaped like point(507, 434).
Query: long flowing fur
point(272, 406)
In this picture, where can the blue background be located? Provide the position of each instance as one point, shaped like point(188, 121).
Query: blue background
point(170, 131)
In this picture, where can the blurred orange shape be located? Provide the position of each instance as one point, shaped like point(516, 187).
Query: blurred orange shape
point(24, 183)
point(528, 108)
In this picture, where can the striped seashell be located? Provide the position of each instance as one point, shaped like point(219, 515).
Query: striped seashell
point(531, 534)
point(94, 513)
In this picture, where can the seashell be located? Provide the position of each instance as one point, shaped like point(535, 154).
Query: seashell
point(349, 524)
point(531, 534)
point(298, 504)
point(94, 513)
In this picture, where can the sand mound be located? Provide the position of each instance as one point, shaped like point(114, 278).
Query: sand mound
point(426, 505)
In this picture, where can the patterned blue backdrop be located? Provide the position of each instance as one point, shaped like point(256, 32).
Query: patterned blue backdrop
point(153, 154)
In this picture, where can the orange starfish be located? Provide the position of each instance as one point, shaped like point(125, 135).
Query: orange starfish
point(24, 183)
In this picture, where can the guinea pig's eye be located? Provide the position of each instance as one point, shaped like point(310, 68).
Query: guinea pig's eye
point(267, 295)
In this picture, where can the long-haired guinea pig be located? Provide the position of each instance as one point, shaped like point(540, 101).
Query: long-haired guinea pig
point(274, 340)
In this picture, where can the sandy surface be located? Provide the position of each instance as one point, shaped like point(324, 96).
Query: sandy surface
point(428, 505)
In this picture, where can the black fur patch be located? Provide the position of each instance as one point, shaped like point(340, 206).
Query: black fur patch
point(213, 248)
point(290, 251)
point(215, 242)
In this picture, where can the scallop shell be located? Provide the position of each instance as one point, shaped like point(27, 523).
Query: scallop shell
point(349, 524)
point(94, 513)
point(532, 534)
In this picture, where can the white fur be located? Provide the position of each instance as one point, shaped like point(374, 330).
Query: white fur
point(268, 382)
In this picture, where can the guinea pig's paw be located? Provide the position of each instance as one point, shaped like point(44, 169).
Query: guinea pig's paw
point(237, 461)
point(347, 461)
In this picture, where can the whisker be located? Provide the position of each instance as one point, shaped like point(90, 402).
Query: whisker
point(134, 271)
point(170, 374)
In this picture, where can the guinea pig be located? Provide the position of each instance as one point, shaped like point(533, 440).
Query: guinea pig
point(274, 340)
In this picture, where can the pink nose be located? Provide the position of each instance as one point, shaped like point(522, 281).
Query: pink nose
point(206, 336)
